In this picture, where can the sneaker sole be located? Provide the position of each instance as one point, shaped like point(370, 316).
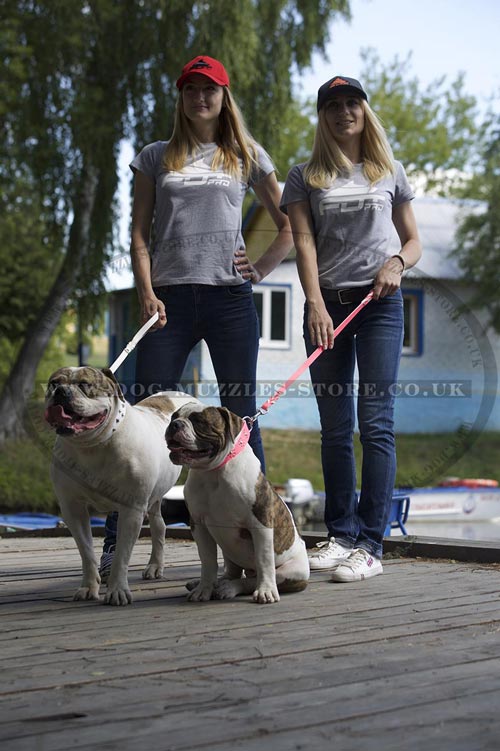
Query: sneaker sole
point(350, 577)
point(314, 566)
point(105, 566)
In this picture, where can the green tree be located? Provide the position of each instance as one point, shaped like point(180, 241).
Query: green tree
point(80, 75)
point(431, 129)
point(54, 138)
point(435, 131)
point(296, 137)
point(478, 236)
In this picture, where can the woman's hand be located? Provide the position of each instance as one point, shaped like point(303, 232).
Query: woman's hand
point(149, 305)
point(244, 267)
point(388, 279)
point(320, 325)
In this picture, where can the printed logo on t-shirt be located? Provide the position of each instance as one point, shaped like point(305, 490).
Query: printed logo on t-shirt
point(352, 197)
point(198, 173)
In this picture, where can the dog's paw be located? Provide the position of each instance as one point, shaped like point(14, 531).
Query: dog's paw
point(87, 593)
point(201, 593)
point(153, 571)
point(191, 584)
point(265, 595)
point(118, 596)
point(227, 589)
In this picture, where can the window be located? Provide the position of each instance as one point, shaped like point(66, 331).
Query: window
point(273, 308)
point(413, 311)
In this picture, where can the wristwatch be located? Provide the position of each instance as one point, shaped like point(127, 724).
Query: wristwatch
point(400, 257)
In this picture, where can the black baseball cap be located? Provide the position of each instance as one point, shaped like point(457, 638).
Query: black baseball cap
point(339, 85)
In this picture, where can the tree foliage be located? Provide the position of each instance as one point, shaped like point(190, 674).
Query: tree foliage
point(478, 237)
point(81, 75)
point(296, 137)
point(431, 129)
point(437, 133)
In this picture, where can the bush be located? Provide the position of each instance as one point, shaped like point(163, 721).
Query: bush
point(25, 483)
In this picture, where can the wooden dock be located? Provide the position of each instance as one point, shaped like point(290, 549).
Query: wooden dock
point(408, 660)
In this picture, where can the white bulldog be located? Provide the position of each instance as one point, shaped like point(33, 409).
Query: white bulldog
point(110, 456)
point(232, 505)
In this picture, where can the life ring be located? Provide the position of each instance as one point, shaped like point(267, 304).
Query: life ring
point(468, 482)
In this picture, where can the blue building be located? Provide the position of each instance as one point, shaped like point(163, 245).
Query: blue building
point(449, 369)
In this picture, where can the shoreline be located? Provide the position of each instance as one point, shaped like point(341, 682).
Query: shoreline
point(409, 546)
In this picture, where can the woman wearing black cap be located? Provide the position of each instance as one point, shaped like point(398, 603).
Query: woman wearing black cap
point(343, 205)
point(188, 196)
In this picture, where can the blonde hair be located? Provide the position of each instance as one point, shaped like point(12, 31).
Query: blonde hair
point(234, 142)
point(328, 161)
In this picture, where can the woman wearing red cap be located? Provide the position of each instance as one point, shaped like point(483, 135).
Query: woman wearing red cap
point(187, 248)
point(343, 205)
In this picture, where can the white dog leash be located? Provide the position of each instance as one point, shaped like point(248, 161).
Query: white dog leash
point(133, 343)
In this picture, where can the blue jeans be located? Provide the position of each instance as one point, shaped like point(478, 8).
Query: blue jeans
point(226, 318)
point(373, 341)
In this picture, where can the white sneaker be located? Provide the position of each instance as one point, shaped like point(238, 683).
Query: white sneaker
point(359, 565)
point(328, 555)
point(105, 563)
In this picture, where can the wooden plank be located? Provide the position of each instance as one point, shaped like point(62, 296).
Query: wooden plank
point(76, 655)
point(317, 671)
point(433, 547)
point(405, 660)
point(228, 718)
point(83, 613)
point(410, 546)
point(481, 583)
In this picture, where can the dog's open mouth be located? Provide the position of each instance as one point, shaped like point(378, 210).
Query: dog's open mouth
point(179, 454)
point(67, 422)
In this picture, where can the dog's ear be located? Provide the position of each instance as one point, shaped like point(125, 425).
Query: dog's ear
point(116, 386)
point(233, 422)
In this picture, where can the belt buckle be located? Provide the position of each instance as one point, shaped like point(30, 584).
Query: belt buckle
point(340, 292)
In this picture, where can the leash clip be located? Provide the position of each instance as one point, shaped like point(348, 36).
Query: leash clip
point(250, 420)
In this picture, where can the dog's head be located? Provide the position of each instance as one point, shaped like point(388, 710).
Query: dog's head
point(201, 437)
point(80, 399)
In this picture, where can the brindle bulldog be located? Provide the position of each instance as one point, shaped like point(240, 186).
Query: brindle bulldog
point(232, 505)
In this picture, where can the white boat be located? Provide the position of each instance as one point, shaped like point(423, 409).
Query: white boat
point(471, 502)
point(475, 500)
point(455, 503)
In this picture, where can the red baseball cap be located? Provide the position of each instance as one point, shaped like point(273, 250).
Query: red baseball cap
point(205, 66)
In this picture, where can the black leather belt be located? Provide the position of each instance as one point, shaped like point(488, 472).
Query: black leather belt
point(346, 295)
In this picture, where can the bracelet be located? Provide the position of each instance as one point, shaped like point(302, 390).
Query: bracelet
point(398, 255)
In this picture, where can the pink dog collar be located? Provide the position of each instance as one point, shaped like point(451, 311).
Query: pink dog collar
point(239, 444)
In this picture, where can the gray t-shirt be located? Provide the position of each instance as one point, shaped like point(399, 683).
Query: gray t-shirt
point(197, 216)
point(352, 222)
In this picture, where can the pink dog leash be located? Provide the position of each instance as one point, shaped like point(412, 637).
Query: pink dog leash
point(244, 435)
point(317, 352)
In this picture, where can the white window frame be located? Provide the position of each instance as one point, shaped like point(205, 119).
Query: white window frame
point(415, 300)
point(266, 291)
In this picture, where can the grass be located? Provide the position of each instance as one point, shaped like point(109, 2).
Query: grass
point(423, 459)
